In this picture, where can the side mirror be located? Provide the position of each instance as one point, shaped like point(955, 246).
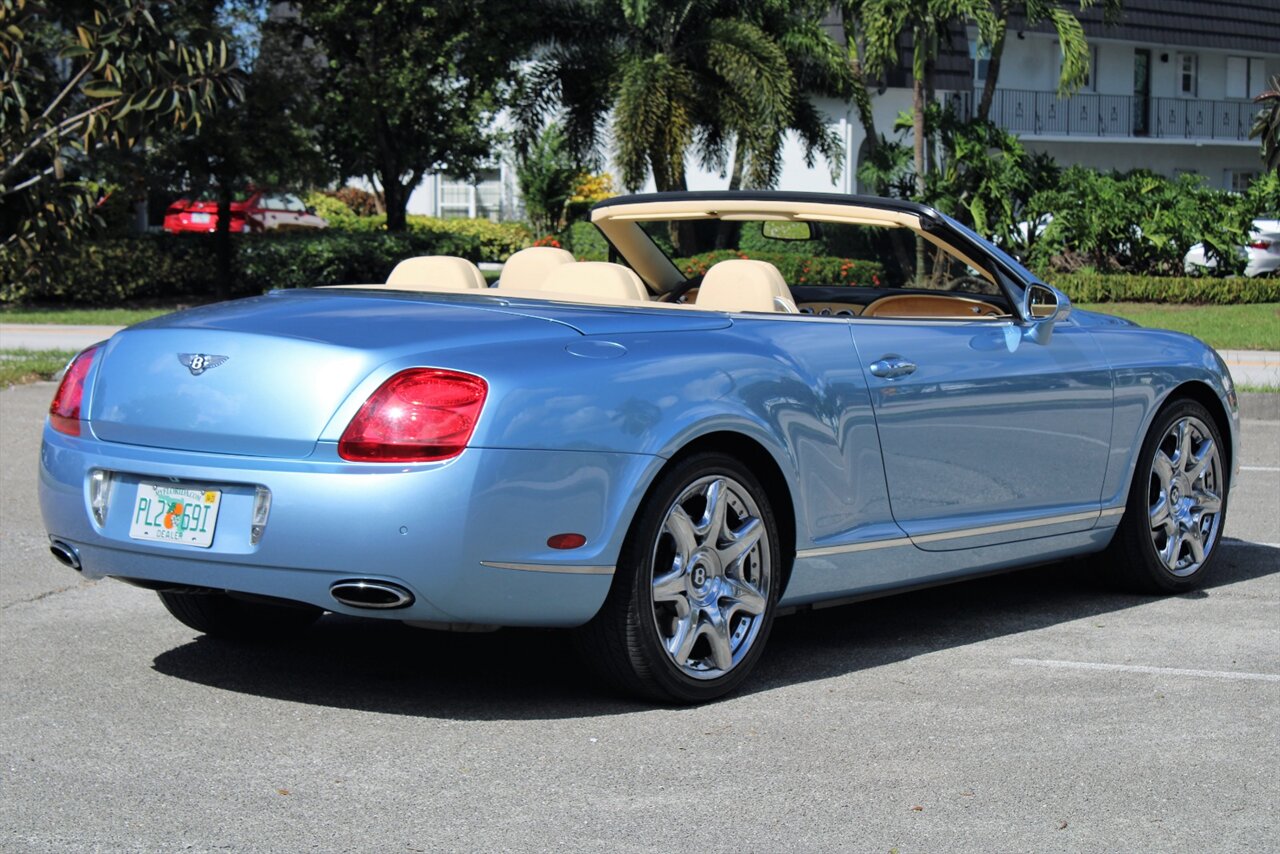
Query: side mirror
point(1042, 307)
point(311, 209)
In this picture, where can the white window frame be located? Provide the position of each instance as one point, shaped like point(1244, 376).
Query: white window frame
point(1183, 60)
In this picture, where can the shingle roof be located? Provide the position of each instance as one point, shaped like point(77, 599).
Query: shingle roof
point(1244, 25)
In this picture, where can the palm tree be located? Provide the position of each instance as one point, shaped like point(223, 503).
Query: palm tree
point(1267, 125)
point(670, 77)
point(927, 23)
point(1071, 40)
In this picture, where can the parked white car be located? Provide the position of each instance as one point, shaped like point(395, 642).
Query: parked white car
point(1262, 251)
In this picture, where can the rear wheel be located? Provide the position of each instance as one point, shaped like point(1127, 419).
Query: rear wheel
point(692, 605)
point(224, 616)
point(1177, 504)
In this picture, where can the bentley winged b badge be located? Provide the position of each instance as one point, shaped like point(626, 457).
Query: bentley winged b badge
point(198, 363)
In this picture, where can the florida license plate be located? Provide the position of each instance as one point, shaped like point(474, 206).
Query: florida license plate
point(173, 514)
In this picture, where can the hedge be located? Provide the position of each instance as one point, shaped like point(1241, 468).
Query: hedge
point(1121, 287)
point(796, 269)
point(170, 267)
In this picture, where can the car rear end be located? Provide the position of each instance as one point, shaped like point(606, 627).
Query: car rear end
point(1263, 248)
point(201, 216)
point(311, 448)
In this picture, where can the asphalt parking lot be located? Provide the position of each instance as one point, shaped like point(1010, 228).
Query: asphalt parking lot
point(1035, 711)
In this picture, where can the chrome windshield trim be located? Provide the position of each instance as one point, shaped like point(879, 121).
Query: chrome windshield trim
point(550, 567)
point(854, 547)
point(1006, 526)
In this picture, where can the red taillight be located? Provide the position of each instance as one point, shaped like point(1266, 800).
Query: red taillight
point(64, 412)
point(1260, 244)
point(419, 415)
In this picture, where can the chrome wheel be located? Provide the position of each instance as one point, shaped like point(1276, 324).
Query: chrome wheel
point(1185, 496)
point(711, 573)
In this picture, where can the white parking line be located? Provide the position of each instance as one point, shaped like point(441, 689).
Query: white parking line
point(1138, 668)
point(1259, 468)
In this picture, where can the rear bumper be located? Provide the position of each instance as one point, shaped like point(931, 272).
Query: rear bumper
point(467, 537)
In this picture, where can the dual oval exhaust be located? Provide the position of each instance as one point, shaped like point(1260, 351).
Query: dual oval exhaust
point(371, 593)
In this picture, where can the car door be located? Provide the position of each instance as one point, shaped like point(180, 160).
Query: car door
point(988, 434)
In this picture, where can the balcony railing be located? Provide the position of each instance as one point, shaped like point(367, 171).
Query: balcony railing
point(1029, 113)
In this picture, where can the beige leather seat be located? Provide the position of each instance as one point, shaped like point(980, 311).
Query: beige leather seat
point(529, 268)
point(738, 285)
point(436, 273)
point(596, 279)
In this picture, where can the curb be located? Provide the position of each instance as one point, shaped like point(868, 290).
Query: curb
point(1259, 406)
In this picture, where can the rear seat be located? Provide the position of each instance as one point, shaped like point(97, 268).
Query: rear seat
point(529, 268)
point(436, 273)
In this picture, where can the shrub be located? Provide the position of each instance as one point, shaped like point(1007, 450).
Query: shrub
point(796, 269)
point(585, 241)
point(1098, 287)
point(184, 266)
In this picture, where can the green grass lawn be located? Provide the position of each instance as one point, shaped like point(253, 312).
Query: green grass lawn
point(24, 366)
point(1223, 327)
point(83, 316)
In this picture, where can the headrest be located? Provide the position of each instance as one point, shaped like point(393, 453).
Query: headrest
point(739, 285)
point(596, 278)
point(436, 273)
point(528, 269)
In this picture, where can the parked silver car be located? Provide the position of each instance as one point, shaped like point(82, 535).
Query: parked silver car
point(1262, 252)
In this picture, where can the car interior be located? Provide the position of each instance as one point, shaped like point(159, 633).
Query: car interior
point(844, 261)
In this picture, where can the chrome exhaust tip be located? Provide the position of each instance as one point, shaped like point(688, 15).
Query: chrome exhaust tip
point(369, 593)
point(65, 554)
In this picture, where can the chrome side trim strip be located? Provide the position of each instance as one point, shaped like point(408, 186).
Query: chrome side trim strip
point(854, 547)
point(550, 567)
point(958, 534)
point(1007, 526)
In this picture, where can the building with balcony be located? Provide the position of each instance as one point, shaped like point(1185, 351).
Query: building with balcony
point(1170, 89)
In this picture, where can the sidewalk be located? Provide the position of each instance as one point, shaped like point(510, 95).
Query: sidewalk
point(1248, 367)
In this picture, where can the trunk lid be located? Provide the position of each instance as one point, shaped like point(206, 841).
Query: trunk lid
point(263, 376)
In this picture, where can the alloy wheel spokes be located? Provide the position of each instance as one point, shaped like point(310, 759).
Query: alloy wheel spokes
point(1185, 506)
point(711, 577)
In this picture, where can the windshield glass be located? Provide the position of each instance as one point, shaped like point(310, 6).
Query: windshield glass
point(820, 253)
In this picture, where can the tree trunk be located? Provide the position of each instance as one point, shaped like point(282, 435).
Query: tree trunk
point(397, 201)
point(222, 242)
point(917, 131)
point(993, 68)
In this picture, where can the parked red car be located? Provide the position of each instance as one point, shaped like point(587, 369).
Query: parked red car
point(257, 210)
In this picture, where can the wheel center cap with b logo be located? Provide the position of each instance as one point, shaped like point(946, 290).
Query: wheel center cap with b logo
point(699, 575)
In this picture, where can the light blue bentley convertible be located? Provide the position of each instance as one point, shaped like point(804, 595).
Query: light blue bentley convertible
point(763, 402)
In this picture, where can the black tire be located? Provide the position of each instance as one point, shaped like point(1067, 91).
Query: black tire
point(224, 616)
point(1144, 555)
point(624, 642)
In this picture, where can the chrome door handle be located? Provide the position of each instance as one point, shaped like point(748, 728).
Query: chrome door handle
point(892, 366)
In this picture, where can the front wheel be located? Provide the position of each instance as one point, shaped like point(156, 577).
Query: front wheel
point(692, 605)
point(1177, 505)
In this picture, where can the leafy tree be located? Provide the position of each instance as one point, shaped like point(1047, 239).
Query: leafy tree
point(407, 87)
point(1267, 126)
point(75, 80)
point(1071, 40)
point(547, 174)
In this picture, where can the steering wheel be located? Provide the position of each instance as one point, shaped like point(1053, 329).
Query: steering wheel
point(677, 293)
